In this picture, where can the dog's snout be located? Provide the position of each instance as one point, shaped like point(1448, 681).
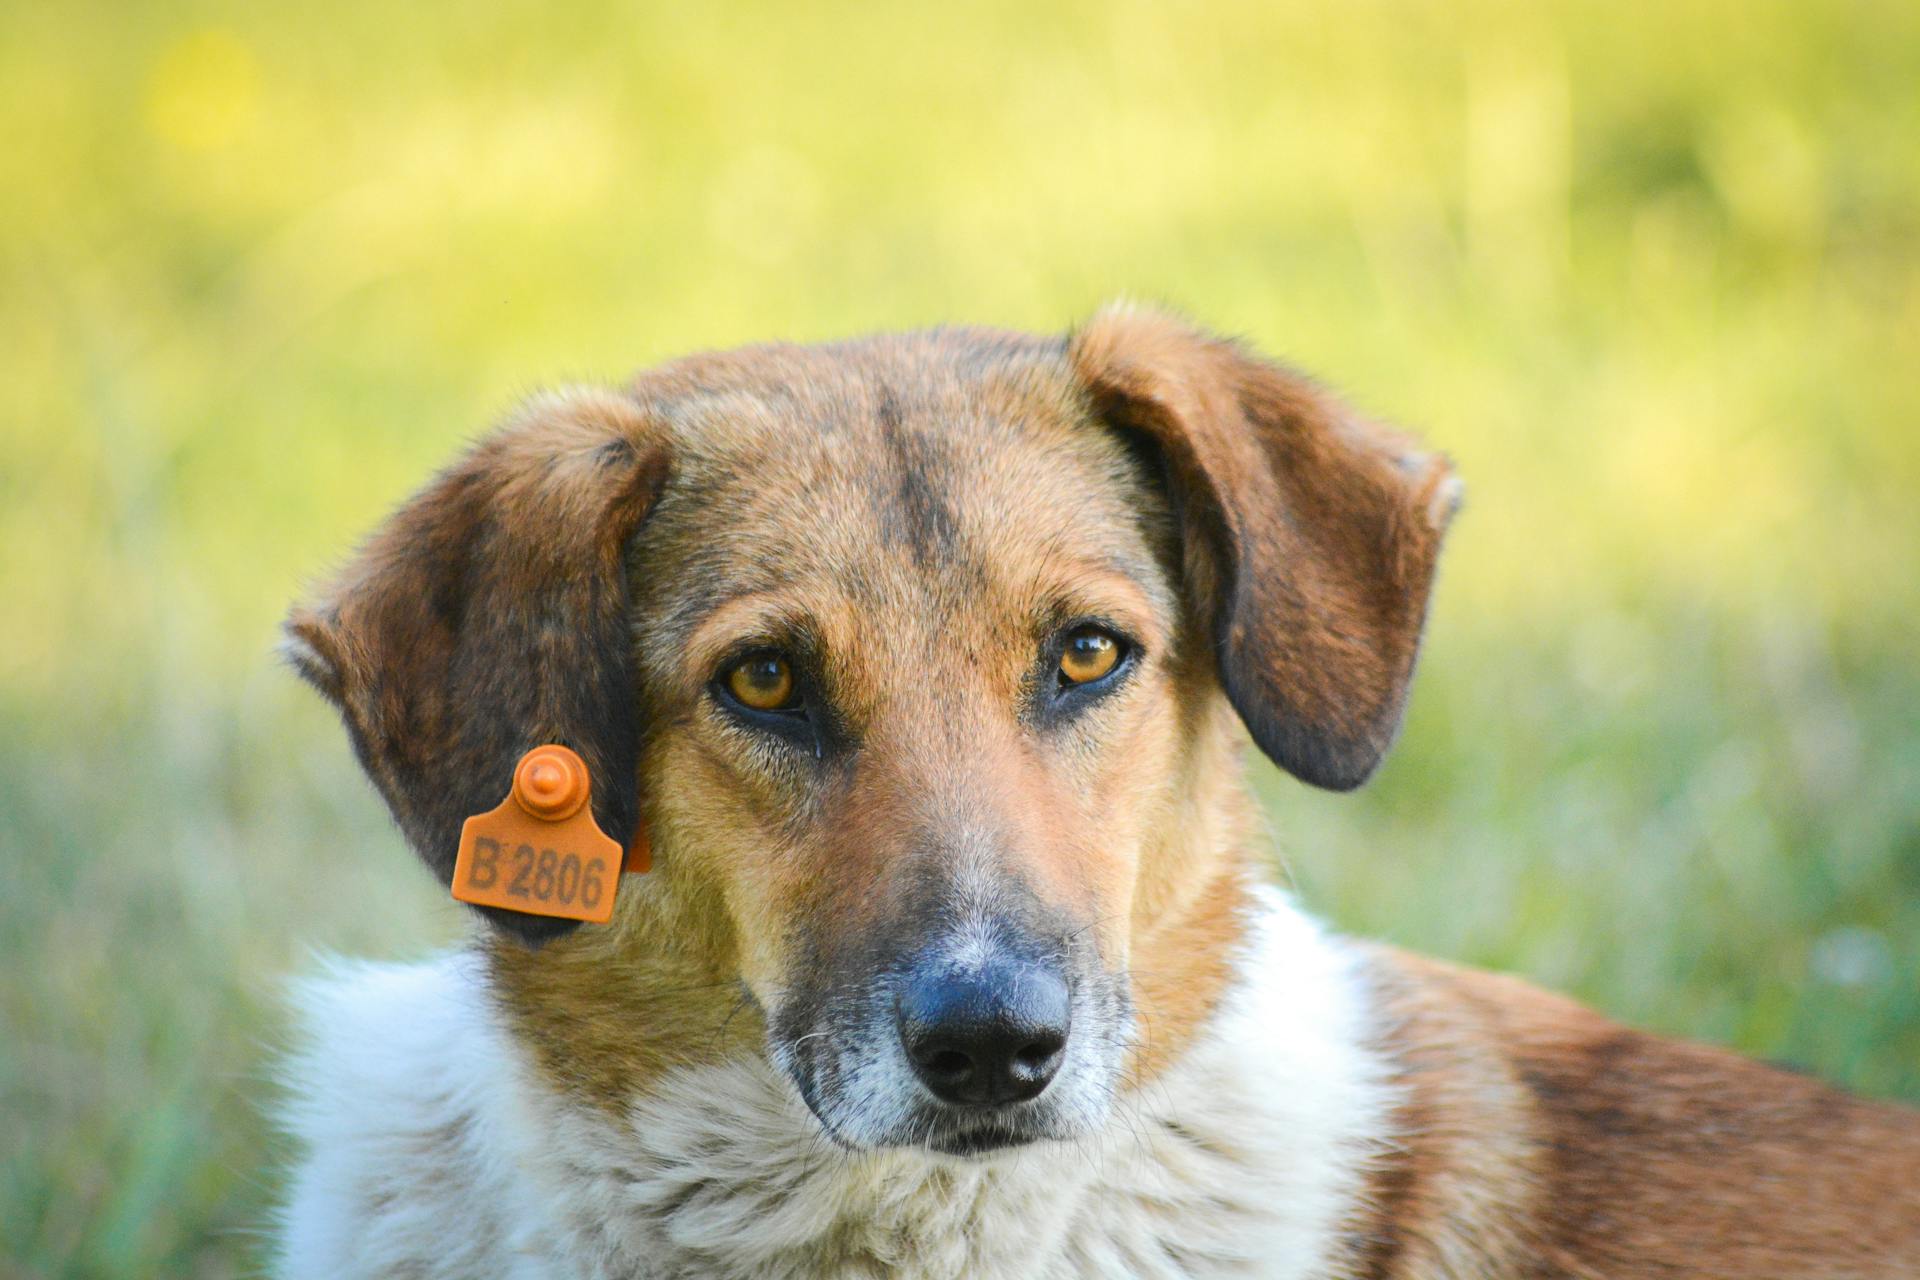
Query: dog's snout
point(985, 1036)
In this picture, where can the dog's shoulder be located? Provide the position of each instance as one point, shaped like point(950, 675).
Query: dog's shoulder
point(397, 1093)
point(1532, 1127)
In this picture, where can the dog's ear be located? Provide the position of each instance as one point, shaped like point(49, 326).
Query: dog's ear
point(488, 616)
point(1311, 534)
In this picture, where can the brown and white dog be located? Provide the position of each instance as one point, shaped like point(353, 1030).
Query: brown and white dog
point(927, 662)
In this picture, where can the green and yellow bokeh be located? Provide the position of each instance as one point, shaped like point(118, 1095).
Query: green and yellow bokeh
point(1651, 274)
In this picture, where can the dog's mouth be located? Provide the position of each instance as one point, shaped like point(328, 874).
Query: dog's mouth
point(968, 1133)
point(983, 1136)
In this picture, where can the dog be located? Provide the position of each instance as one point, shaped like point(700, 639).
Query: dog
point(924, 665)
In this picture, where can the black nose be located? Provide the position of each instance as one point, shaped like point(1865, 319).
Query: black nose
point(987, 1035)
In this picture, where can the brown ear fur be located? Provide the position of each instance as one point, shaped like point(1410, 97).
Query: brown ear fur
point(489, 615)
point(1319, 533)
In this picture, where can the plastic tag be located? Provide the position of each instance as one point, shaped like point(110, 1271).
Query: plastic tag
point(540, 851)
point(639, 851)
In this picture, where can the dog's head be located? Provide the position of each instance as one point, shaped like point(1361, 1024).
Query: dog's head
point(920, 658)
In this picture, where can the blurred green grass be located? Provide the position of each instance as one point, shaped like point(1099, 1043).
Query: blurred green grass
point(1648, 273)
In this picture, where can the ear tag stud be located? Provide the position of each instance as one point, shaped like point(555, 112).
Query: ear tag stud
point(540, 851)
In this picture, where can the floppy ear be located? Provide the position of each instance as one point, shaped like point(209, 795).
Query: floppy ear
point(489, 616)
point(1311, 534)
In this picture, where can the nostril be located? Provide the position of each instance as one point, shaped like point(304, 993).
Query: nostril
point(948, 1064)
point(1034, 1065)
point(1039, 1054)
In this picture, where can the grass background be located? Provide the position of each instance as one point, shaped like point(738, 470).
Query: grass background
point(1648, 272)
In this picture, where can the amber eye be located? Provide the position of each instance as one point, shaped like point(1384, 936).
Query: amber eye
point(1090, 654)
point(763, 682)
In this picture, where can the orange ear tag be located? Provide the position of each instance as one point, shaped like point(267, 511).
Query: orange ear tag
point(540, 851)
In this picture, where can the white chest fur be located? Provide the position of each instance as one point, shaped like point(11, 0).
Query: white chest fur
point(432, 1152)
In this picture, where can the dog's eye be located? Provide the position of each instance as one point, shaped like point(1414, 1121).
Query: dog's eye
point(763, 682)
point(1090, 654)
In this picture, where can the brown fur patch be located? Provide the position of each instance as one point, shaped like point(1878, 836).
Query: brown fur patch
point(1539, 1139)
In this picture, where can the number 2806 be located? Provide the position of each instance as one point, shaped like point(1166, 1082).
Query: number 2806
point(540, 874)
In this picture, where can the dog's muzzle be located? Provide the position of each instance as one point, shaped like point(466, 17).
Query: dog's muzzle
point(977, 1037)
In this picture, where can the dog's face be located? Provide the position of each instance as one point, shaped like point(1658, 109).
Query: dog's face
point(913, 719)
point(924, 653)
